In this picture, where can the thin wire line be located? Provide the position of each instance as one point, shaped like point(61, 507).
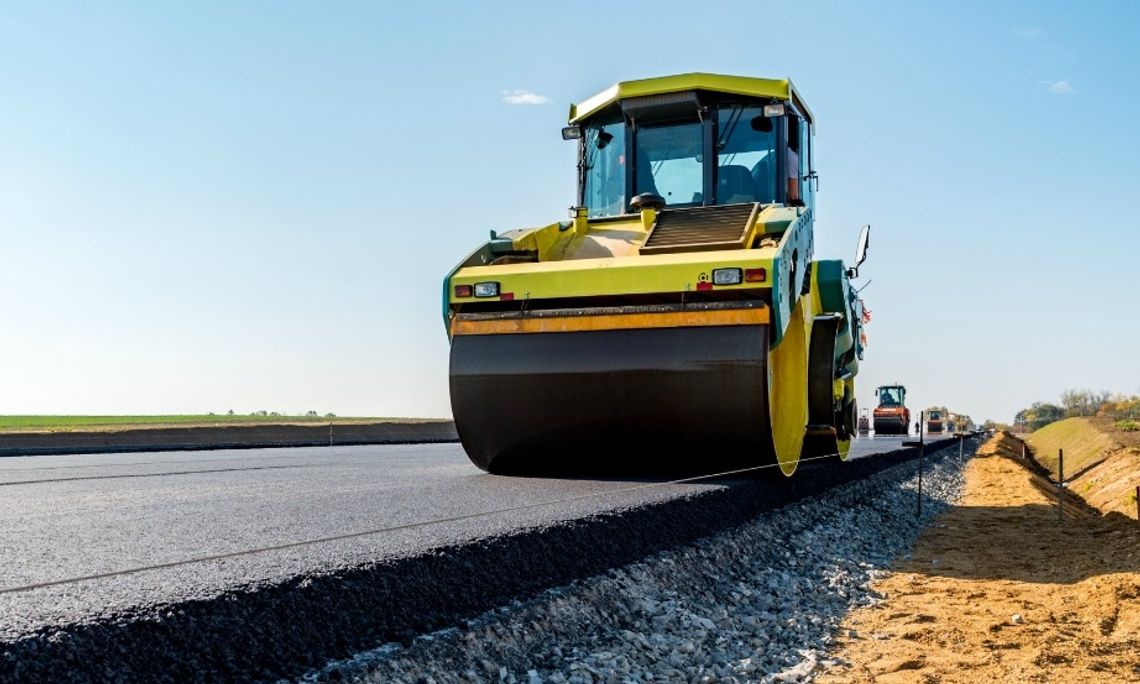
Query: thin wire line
point(383, 530)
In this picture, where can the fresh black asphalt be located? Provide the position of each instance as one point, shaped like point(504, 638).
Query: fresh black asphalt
point(327, 583)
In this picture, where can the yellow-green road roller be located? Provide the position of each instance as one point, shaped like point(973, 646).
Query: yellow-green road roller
point(677, 318)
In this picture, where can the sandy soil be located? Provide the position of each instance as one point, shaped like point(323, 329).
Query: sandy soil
point(997, 591)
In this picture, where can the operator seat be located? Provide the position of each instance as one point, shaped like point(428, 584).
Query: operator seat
point(734, 184)
point(764, 176)
point(644, 181)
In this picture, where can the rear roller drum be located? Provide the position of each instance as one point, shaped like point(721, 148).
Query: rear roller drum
point(827, 431)
point(848, 416)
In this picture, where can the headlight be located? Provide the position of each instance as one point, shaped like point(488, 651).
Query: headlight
point(486, 289)
point(727, 276)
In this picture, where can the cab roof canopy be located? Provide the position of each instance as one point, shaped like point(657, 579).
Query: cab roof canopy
point(779, 89)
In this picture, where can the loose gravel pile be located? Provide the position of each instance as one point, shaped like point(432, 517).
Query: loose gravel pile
point(759, 602)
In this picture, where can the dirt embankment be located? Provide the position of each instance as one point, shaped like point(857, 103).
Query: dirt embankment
point(1101, 466)
point(998, 590)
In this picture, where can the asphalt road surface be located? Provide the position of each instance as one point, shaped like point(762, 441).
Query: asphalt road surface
point(64, 517)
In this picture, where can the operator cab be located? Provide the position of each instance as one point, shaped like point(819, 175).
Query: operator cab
point(693, 148)
point(891, 395)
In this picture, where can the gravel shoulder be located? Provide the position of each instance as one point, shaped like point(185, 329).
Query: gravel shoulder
point(996, 590)
point(761, 601)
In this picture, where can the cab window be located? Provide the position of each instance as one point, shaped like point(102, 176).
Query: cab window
point(669, 163)
point(746, 155)
point(604, 182)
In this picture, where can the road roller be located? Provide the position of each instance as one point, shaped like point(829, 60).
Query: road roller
point(677, 319)
point(934, 422)
point(891, 416)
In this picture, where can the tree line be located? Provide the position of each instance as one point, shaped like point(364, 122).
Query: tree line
point(1124, 409)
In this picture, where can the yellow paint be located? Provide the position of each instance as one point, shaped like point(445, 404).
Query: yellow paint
point(780, 89)
point(581, 222)
point(611, 242)
point(548, 241)
point(816, 300)
point(648, 216)
point(772, 219)
point(787, 388)
point(560, 324)
point(845, 445)
point(580, 239)
point(613, 275)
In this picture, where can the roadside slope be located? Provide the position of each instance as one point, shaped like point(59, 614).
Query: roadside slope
point(1104, 472)
point(997, 590)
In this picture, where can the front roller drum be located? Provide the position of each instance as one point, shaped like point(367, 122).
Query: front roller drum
point(682, 399)
point(890, 425)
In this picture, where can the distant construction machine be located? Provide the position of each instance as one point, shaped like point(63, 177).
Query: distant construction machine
point(891, 416)
point(934, 422)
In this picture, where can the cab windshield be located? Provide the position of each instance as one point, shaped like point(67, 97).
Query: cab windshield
point(890, 396)
point(669, 159)
point(669, 163)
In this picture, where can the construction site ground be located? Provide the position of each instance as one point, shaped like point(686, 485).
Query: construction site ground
point(1102, 464)
point(999, 590)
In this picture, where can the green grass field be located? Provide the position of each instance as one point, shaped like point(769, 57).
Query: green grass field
point(100, 423)
point(1083, 443)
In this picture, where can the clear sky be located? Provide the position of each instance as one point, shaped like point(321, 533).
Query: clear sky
point(217, 205)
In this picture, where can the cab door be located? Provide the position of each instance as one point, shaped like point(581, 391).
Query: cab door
point(807, 165)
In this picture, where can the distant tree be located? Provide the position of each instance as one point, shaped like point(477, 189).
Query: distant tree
point(210, 413)
point(274, 413)
point(230, 412)
point(311, 414)
point(1083, 402)
point(330, 415)
point(1120, 407)
point(1039, 415)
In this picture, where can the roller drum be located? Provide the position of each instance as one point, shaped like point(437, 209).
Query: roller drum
point(653, 399)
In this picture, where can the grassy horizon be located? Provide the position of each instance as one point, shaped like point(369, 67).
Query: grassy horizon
point(60, 423)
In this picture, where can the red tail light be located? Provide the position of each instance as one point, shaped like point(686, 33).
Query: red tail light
point(755, 275)
point(463, 291)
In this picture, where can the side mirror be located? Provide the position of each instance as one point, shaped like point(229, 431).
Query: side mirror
point(571, 132)
point(860, 251)
point(761, 124)
point(864, 242)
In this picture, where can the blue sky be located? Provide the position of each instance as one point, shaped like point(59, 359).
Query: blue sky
point(250, 205)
